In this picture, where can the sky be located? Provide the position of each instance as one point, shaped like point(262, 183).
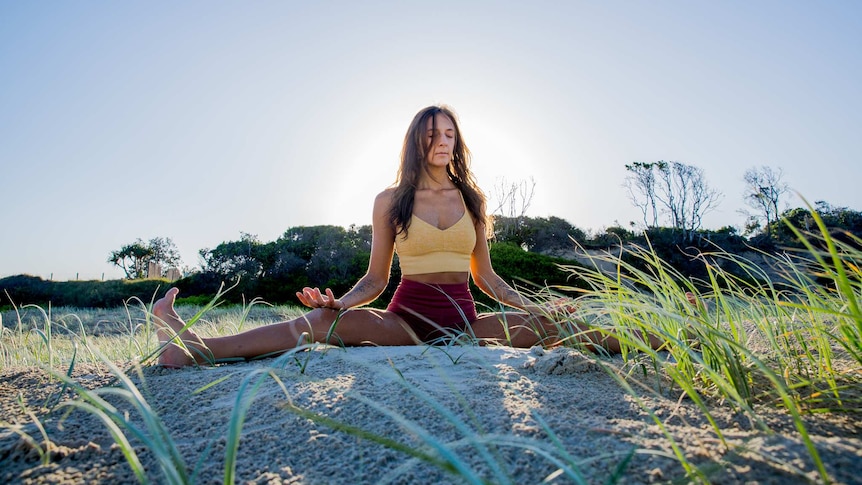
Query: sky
point(202, 120)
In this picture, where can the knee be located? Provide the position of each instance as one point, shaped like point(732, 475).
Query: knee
point(315, 324)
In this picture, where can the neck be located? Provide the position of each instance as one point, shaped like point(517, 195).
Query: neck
point(435, 180)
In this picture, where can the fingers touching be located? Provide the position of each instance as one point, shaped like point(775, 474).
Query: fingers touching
point(314, 298)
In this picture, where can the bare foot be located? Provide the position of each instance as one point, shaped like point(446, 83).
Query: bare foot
point(693, 300)
point(169, 324)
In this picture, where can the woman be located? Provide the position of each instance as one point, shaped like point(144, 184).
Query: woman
point(434, 218)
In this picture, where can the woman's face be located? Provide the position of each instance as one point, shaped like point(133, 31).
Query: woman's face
point(440, 139)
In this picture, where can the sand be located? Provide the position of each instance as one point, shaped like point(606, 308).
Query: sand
point(481, 403)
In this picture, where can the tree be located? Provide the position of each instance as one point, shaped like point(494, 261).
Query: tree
point(324, 256)
point(340, 256)
point(165, 252)
point(763, 191)
point(537, 234)
point(549, 234)
point(844, 224)
point(640, 184)
point(674, 189)
point(512, 200)
point(134, 258)
point(228, 260)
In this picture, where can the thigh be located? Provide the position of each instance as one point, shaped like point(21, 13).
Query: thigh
point(362, 326)
point(516, 329)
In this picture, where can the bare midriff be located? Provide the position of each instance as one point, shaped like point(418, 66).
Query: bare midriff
point(448, 278)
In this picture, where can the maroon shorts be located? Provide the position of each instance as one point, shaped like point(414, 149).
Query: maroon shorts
point(434, 310)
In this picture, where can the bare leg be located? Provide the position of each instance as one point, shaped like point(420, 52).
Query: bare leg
point(515, 329)
point(525, 331)
point(354, 327)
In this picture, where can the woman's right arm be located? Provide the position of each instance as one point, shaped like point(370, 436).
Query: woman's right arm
point(370, 286)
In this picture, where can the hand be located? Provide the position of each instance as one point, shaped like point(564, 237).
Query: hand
point(561, 307)
point(564, 305)
point(313, 298)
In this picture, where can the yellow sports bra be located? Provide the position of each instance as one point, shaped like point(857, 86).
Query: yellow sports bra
point(432, 250)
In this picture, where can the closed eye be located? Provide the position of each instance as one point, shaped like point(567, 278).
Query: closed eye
point(448, 133)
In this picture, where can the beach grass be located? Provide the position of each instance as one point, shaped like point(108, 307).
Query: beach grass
point(792, 341)
point(757, 341)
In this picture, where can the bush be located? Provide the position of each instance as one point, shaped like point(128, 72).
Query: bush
point(197, 300)
point(683, 252)
point(521, 268)
point(25, 289)
point(611, 236)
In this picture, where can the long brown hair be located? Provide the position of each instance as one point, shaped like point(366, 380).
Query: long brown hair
point(413, 162)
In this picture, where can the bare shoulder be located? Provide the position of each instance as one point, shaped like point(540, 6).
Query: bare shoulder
point(384, 199)
point(383, 202)
point(386, 195)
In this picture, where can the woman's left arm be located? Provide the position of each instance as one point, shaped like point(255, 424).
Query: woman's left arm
point(487, 280)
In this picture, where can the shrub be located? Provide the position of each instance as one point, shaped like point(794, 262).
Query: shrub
point(525, 269)
point(685, 253)
point(25, 289)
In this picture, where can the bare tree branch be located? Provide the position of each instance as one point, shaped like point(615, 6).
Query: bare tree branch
point(675, 189)
point(763, 192)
